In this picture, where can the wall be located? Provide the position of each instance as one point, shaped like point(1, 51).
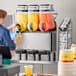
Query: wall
point(63, 7)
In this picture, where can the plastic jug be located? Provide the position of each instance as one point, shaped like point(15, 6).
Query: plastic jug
point(33, 17)
point(22, 17)
point(46, 19)
point(66, 63)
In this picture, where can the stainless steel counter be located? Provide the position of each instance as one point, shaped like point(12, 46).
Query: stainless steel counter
point(10, 70)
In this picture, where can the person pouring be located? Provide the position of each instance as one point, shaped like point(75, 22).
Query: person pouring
point(5, 38)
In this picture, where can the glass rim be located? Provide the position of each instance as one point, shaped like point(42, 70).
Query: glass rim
point(28, 66)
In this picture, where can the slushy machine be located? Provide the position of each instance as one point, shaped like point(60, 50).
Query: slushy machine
point(38, 30)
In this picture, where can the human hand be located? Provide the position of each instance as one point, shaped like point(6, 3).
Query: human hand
point(73, 45)
point(11, 27)
point(12, 53)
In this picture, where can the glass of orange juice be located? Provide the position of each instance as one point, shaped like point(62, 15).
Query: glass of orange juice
point(28, 70)
point(66, 55)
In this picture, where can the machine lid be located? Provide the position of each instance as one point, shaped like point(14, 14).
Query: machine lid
point(22, 7)
point(46, 7)
point(33, 8)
